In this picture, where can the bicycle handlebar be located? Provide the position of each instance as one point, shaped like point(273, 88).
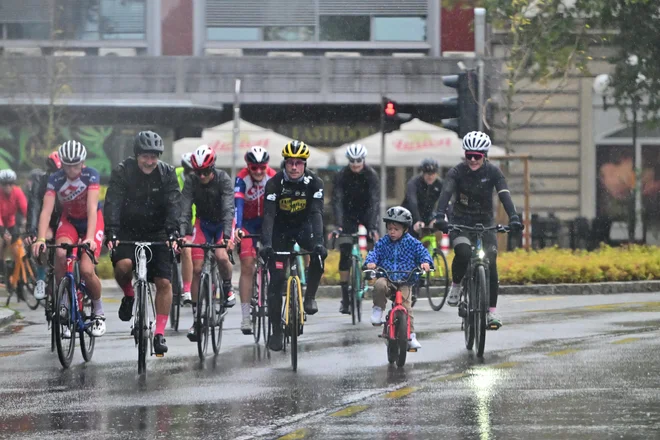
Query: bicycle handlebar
point(379, 272)
point(479, 228)
point(71, 247)
point(209, 247)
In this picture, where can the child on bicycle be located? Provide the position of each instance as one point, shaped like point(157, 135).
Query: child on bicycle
point(397, 251)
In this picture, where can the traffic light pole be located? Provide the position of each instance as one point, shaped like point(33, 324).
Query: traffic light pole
point(383, 167)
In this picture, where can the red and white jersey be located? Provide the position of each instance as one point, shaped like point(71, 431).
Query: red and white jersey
point(249, 195)
point(72, 194)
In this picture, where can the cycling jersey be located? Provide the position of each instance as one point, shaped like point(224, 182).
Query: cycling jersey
point(10, 205)
point(473, 191)
point(356, 196)
point(72, 194)
point(181, 177)
point(421, 198)
point(249, 196)
point(290, 204)
point(215, 202)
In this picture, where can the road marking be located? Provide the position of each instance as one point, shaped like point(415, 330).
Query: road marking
point(626, 341)
point(396, 394)
point(546, 298)
point(449, 377)
point(349, 411)
point(111, 300)
point(295, 435)
point(504, 365)
point(563, 352)
point(11, 353)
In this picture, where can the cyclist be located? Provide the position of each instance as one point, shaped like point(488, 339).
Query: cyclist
point(355, 201)
point(186, 259)
point(398, 250)
point(293, 211)
point(143, 203)
point(211, 190)
point(35, 202)
point(422, 195)
point(249, 191)
point(472, 183)
point(76, 187)
point(12, 201)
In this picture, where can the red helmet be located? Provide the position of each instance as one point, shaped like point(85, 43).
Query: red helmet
point(53, 162)
point(203, 157)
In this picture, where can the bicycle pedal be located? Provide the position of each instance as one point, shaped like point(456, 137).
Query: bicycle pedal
point(412, 350)
point(160, 355)
point(493, 327)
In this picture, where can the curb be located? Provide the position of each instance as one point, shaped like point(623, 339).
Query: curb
point(4, 321)
point(608, 288)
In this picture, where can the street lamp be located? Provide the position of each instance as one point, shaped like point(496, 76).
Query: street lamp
point(600, 86)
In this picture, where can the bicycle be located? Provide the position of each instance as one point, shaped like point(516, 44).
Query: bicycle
point(357, 287)
point(258, 304)
point(20, 276)
point(177, 293)
point(475, 296)
point(144, 318)
point(211, 311)
point(397, 323)
point(293, 314)
point(437, 280)
point(74, 314)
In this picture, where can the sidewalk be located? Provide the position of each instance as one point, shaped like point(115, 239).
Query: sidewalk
point(7, 316)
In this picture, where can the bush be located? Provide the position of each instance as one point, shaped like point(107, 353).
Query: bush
point(104, 268)
point(554, 265)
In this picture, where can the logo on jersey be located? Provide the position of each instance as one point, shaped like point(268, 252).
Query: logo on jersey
point(318, 194)
point(72, 190)
point(255, 192)
point(307, 179)
point(293, 205)
point(271, 197)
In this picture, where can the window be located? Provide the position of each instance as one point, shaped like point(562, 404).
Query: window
point(101, 20)
point(399, 29)
point(27, 31)
point(289, 33)
point(233, 34)
point(345, 28)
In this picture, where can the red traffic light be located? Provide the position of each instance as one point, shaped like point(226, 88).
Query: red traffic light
point(390, 109)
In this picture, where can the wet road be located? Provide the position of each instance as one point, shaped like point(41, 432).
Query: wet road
point(562, 367)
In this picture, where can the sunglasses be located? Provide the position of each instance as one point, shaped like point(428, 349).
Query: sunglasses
point(295, 162)
point(474, 156)
point(204, 172)
point(257, 167)
point(358, 161)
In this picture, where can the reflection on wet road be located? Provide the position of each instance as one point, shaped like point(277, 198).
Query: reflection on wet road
point(561, 367)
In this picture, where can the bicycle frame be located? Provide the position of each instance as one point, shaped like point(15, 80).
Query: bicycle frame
point(301, 262)
point(293, 274)
point(74, 304)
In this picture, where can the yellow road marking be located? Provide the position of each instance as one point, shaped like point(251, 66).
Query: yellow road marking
point(449, 377)
point(545, 298)
point(505, 365)
point(295, 435)
point(626, 341)
point(349, 411)
point(111, 300)
point(11, 353)
point(396, 394)
point(563, 352)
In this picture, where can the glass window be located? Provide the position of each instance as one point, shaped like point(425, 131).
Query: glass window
point(344, 27)
point(28, 31)
point(101, 19)
point(399, 29)
point(233, 34)
point(289, 33)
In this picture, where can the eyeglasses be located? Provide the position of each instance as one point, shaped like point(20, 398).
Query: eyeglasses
point(356, 161)
point(253, 167)
point(474, 156)
point(295, 162)
point(203, 173)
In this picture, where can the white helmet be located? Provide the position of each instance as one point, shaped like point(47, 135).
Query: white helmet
point(72, 153)
point(186, 160)
point(356, 151)
point(257, 155)
point(7, 176)
point(476, 141)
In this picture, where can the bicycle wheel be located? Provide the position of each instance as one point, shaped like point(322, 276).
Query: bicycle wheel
point(203, 315)
point(481, 309)
point(177, 291)
point(65, 346)
point(468, 327)
point(437, 281)
point(217, 318)
point(353, 291)
point(27, 288)
point(358, 295)
point(401, 322)
point(51, 301)
point(142, 330)
point(254, 306)
point(293, 323)
point(87, 341)
point(263, 305)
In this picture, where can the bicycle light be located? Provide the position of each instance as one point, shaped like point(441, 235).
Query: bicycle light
point(481, 254)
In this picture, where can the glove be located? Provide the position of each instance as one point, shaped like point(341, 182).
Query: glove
point(515, 224)
point(372, 234)
point(266, 253)
point(335, 233)
point(320, 250)
point(110, 237)
point(441, 225)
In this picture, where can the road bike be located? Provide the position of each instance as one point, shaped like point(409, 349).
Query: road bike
point(20, 276)
point(357, 287)
point(177, 293)
point(436, 282)
point(258, 303)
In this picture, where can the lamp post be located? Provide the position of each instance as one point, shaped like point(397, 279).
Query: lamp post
point(600, 86)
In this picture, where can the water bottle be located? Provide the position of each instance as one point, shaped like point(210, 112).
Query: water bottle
point(80, 300)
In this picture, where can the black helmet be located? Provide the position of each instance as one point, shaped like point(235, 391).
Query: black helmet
point(429, 166)
point(148, 142)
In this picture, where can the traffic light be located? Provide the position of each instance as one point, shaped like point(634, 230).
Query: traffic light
point(390, 119)
point(464, 107)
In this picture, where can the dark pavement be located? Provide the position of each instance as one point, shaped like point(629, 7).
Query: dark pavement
point(578, 367)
